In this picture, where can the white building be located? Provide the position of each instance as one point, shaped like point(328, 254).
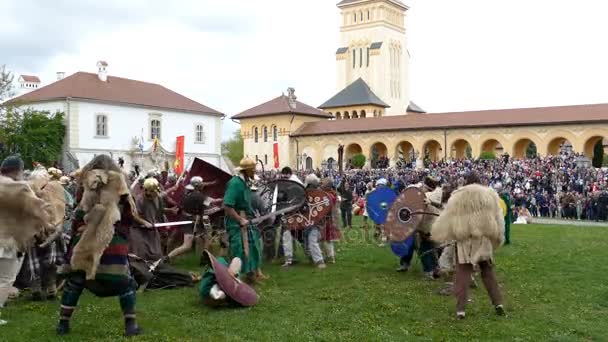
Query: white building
point(27, 83)
point(123, 117)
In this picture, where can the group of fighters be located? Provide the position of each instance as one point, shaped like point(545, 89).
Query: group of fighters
point(97, 254)
point(459, 232)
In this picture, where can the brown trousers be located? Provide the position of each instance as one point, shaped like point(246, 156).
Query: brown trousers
point(462, 280)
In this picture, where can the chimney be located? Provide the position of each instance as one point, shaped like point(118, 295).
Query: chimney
point(102, 71)
point(60, 75)
point(291, 97)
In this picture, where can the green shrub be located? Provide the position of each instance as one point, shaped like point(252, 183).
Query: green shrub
point(358, 160)
point(487, 155)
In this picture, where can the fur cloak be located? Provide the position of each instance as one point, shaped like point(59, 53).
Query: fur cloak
point(473, 218)
point(102, 192)
point(51, 192)
point(22, 214)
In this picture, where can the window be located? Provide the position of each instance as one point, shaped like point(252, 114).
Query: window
point(355, 17)
point(265, 130)
point(368, 17)
point(255, 137)
point(367, 57)
point(361, 15)
point(155, 129)
point(256, 158)
point(199, 134)
point(101, 129)
point(360, 57)
point(275, 133)
point(354, 58)
point(265, 159)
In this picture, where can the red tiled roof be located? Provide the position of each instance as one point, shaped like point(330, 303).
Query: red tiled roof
point(280, 105)
point(593, 113)
point(29, 78)
point(87, 86)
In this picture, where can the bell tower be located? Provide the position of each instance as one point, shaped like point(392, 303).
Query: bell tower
point(373, 47)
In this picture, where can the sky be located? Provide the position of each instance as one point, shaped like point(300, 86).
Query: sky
point(233, 55)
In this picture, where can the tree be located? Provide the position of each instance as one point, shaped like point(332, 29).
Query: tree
point(598, 154)
point(233, 148)
point(37, 136)
point(6, 83)
point(531, 150)
point(487, 155)
point(358, 160)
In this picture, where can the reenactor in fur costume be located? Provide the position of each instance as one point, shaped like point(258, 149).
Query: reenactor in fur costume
point(98, 250)
point(48, 248)
point(22, 216)
point(474, 220)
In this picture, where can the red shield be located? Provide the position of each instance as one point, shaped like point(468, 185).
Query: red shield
point(209, 173)
point(313, 212)
point(233, 287)
point(405, 215)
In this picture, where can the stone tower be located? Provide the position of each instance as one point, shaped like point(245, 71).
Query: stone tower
point(373, 47)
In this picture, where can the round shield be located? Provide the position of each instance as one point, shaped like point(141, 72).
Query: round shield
point(233, 287)
point(317, 207)
point(404, 215)
point(379, 202)
point(277, 195)
point(403, 248)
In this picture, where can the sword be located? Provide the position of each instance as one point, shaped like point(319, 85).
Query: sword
point(260, 219)
point(171, 224)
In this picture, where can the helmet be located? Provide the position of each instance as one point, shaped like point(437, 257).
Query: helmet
point(196, 181)
point(64, 180)
point(247, 164)
point(151, 184)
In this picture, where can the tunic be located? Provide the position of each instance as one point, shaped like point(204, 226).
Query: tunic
point(238, 197)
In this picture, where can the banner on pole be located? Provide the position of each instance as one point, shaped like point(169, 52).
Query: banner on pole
point(275, 151)
point(179, 155)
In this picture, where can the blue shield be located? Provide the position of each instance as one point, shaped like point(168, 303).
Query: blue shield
point(405, 248)
point(378, 204)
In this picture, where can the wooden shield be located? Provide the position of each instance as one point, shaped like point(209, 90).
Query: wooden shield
point(318, 205)
point(405, 215)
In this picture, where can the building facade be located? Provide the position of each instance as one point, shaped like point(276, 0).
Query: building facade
point(373, 47)
point(136, 121)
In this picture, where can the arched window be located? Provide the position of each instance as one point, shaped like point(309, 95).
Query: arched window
point(275, 133)
point(265, 132)
point(363, 114)
point(308, 163)
point(360, 57)
point(255, 136)
point(354, 58)
point(155, 129)
point(338, 116)
point(102, 126)
point(354, 115)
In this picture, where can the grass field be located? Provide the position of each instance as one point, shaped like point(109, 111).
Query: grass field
point(554, 278)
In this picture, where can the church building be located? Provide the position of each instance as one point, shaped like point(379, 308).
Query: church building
point(372, 113)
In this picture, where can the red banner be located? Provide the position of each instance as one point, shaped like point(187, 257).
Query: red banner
point(275, 151)
point(179, 155)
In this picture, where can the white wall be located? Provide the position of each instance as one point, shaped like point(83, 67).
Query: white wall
point(127, 122)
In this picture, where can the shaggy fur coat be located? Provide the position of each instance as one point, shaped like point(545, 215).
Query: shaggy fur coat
point(51, 192)
point(102, 192)
point(473, 218)
point(22, 214)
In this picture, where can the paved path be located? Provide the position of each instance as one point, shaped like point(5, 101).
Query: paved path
point(543, 220)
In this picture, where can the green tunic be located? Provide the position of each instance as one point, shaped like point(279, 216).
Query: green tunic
point(209, 280)
point(507, 199)
point(238, 196)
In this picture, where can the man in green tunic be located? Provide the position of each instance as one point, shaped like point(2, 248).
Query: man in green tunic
point(505, 204)
point(244, 238)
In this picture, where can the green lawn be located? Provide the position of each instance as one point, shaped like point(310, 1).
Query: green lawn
point(554, 278)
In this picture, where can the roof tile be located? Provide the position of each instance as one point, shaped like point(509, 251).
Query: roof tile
point(280, 105)
point(487, 118)
point(87, 86)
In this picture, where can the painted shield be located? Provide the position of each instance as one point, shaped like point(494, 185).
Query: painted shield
point(403, 248)
point(378, 204)
point(317, 207)
point(233, 287)
point(405, 215)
